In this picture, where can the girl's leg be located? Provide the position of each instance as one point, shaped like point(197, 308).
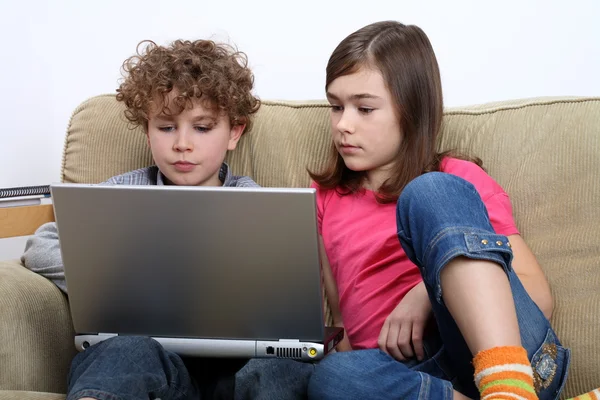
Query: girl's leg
point(480, 305)
point(129, 367)
point(374, 375)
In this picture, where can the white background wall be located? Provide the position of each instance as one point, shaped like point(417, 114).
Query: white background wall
point(55, 54)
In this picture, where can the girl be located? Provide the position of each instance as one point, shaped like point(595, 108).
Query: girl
point(459, 257)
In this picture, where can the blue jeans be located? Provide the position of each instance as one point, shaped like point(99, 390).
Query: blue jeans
point(132, 368)
point(439, 217)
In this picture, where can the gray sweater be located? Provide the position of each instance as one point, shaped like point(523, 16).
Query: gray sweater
point(42, 250)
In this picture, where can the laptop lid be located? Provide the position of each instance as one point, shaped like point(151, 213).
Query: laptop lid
point(191, 262)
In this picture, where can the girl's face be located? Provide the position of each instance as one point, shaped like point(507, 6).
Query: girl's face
point(364, 124)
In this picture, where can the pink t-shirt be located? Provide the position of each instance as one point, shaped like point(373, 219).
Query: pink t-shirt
point(370, 267)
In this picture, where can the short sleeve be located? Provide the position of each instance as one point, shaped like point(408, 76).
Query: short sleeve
point(501, 216)
point(496, 200)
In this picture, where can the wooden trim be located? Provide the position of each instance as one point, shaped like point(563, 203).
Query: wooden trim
point(23, 221)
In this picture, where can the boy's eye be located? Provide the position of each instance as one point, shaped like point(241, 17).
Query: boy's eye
point(365, 110)
point(336, 108)
point(202, 129)
point(166, 128)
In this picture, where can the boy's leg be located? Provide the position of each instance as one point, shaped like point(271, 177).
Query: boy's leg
point(444, 228)
point(129, 367)
point(273, 379)
point(214, 377)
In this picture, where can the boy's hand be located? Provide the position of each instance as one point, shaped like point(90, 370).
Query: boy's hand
point(402, 332)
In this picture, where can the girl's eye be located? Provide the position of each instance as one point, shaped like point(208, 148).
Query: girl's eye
point(337, 108)
point(166, 128)
point(365, 110)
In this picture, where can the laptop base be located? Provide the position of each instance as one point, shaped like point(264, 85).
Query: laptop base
point(231, 348)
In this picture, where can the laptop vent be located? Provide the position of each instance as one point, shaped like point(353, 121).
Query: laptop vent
point(289, 353)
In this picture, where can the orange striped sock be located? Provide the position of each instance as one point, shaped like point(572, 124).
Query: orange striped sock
point(504, 373)
point(593, 395)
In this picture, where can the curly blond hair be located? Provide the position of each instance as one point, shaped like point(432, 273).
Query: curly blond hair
point(214, 73)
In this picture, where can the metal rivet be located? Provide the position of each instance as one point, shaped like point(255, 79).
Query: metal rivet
point(499, 243)
point(484, 241)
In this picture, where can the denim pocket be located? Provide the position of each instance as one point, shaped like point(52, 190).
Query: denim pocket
point(550, 365)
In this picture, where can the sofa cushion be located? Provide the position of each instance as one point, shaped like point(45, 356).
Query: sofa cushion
point(23, 395)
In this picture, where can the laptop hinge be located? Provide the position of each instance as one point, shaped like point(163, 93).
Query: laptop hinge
point(289, 340)
point(108, 334)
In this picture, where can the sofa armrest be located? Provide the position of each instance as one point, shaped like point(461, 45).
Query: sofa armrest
point(22, 395)
point(23, 221)
point(36, 332)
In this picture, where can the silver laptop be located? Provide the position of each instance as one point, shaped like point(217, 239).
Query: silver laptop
point(208, 272)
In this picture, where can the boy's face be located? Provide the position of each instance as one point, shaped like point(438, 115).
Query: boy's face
point(189, 148)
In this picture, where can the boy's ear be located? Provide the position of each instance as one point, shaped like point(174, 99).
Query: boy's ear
point(234, 135)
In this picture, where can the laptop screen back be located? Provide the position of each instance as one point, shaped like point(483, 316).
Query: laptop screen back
point(237, 263)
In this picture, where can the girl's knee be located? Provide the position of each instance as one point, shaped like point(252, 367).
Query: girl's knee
point(436, 200)
point(431, 184)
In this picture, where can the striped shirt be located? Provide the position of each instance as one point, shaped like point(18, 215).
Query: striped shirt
point(153, 176)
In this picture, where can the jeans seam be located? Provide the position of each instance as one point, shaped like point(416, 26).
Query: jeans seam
point(175, 387)
point(424, 388)
point(448, 392)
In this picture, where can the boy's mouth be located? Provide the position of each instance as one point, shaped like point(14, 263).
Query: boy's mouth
point(184, 166)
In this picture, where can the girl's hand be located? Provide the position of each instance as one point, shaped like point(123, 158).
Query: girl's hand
point(402, 332)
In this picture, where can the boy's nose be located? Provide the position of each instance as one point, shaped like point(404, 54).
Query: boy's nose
point(182, 141)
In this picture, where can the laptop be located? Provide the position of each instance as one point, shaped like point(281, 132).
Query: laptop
point(206, 271)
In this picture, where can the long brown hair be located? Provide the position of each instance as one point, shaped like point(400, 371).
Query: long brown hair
point(405, 58)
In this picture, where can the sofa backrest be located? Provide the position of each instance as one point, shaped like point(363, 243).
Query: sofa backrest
point(544, 152)
point(287, 137)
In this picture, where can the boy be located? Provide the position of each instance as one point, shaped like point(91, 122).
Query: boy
point(190, 123)
point(194, 102)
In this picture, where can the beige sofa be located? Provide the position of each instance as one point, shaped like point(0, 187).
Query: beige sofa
point(545, 152)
